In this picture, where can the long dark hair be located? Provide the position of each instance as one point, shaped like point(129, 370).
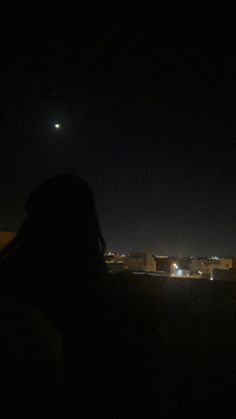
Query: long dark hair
point(60, 232)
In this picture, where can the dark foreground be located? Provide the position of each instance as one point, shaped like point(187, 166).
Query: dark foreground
point(170, 351)
point(197, 335)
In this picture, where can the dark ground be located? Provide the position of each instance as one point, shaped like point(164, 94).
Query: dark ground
point(195, 345)
point(169, 343)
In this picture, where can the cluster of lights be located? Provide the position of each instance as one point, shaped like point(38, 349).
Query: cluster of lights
point(176, 271)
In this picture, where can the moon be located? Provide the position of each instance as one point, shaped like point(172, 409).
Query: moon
point(57, 126)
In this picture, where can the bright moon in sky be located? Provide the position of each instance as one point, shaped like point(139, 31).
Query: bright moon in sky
point(57, 126)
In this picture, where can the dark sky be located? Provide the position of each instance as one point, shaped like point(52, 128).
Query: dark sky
point(146, 100)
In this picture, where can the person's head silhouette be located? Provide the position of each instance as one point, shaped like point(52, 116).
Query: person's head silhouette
point(60, 232)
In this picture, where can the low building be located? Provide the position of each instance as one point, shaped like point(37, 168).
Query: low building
point(206, 266)
point(224, 274)
point(140, 262)
point(115, 262)
point(114, 266)
point(164, 264)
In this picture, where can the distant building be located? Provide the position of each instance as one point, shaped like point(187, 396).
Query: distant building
point(140, 262)
point(5, 238)
point(115, 262)
point(224, 274)
point(233, 263)
point(206, 266)
point(116, 267)
point(163, 264)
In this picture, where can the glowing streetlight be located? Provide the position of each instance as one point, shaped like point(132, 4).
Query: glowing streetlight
point(57, 126)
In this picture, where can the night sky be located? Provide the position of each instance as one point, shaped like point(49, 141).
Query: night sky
point(146, 100)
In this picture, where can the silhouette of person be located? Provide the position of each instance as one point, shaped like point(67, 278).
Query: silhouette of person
point(60, 232)
point(57, 256)
point(56, 264)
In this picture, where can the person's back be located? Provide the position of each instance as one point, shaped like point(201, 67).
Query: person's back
point(31, 362)
point(58, 249)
